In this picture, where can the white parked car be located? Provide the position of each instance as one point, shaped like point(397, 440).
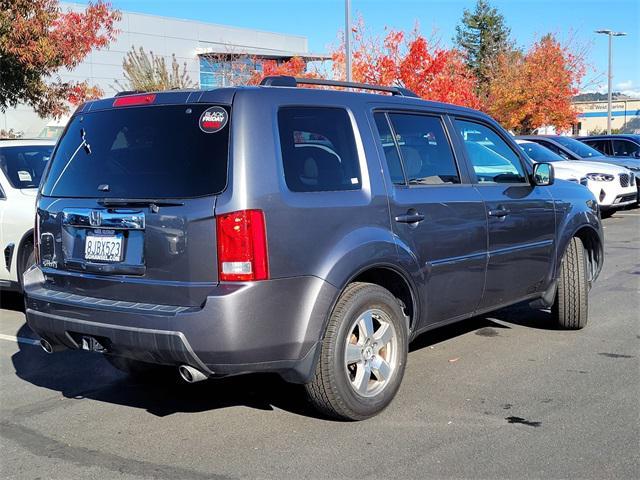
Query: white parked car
point(22, 163)
point(613, 186)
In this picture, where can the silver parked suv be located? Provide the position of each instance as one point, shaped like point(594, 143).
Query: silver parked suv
point(308, 232)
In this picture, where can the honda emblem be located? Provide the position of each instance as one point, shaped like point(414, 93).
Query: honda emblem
point(95, 218)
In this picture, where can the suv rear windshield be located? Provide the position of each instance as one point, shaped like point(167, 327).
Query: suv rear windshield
point(24, 165)
point(139, 152)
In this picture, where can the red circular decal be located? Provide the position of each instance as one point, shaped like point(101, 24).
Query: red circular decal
point(213, 119)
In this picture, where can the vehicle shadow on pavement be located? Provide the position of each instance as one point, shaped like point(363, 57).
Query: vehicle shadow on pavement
point(447, 332)
point(522, 314)
point(82, 375)
point(488, 325)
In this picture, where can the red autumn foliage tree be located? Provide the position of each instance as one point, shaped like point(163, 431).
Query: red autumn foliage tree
point(296, 67)
point(531, 89)
point(409, 61)
point(37, 40)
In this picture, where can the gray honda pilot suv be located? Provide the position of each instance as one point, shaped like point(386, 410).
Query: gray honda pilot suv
point(312, 232)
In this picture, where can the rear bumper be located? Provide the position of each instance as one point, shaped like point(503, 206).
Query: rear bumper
point(270, 326)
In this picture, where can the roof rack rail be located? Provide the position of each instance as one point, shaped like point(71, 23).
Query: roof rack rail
point(287, 81)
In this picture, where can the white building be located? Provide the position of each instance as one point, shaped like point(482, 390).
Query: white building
point(190, 41)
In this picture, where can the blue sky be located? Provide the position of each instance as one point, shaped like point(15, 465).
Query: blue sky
point(320, 20)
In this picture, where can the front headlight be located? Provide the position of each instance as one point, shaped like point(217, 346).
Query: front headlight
point(600, 177)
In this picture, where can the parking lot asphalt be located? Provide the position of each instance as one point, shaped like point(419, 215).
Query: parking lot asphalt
point(499, 396)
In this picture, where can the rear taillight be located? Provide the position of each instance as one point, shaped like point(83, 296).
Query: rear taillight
point(36, 239)
point(242, 246)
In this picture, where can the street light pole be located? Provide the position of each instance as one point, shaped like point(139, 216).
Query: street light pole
point(610, 34)
point(347, 38)
point(609, 81)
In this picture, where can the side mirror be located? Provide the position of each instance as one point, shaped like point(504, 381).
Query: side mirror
point(543, 174)
point(636, 154)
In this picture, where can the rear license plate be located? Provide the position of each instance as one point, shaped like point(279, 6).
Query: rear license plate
point(103, 248)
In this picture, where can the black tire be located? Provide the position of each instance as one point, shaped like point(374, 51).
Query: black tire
point(136, 368)
point(26, 258)
point(331, 391)
point(571, 306)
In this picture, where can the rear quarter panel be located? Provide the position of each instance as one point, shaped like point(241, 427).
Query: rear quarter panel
point(329, 235)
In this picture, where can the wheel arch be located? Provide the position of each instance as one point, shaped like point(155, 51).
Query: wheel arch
point(592, 241)
point(374, 255)
point(392, 278)
point(26, 239)
point(593, 245)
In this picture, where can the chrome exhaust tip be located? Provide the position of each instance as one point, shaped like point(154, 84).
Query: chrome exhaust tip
point(190, 374)
point(46, 346)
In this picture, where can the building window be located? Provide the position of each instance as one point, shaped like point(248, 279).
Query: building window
point(227, 70)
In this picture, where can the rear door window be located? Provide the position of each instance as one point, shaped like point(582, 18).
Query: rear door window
point(625, 148)
point(140, 152)
point(394, 166)
point(424, 149)
point(318, 149)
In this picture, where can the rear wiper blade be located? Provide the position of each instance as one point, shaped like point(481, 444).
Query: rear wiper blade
point(83, 144)
point(153, 204)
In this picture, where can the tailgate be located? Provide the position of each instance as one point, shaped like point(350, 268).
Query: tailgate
point(127, 207)
point(159, 255)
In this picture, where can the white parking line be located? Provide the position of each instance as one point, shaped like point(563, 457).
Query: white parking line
point(11, 338)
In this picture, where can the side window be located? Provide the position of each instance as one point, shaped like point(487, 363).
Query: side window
point(625, 148)
point(600, 145)
point(492, 159)
point(425, 152)
point(318, 149)
point(554, 149)
point(390, 150)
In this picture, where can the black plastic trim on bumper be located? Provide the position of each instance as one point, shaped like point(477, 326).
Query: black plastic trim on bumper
point(159, 347)
point(629, 197)
point(65, 298)
point(8, 256)
point(144, 344)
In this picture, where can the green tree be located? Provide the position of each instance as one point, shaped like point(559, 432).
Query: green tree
point(482, 35)
point(147, 72)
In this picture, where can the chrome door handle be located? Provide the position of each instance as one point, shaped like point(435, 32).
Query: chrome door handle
point(410, 218)
point(500, 212)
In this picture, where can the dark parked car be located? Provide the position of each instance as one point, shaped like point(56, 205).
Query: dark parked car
point(623, 145)
point(308, 232)
point(572, 149)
